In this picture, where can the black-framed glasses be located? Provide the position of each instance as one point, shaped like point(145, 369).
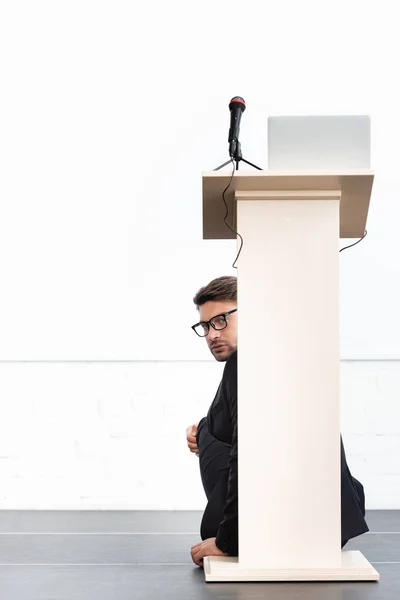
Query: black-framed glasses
point(218, 322)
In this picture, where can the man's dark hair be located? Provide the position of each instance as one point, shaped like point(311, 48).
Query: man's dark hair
point(221, 288)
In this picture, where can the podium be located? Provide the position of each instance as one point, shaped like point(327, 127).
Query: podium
point(288, 368)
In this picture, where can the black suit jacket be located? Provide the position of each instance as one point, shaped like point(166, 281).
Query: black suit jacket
point(222, 424)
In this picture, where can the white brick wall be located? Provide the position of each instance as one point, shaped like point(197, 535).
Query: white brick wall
point(371, 428)
point(112, 435)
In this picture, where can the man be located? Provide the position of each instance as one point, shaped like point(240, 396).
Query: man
point(214, 438)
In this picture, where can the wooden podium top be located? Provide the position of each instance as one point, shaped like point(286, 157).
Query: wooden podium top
point(355, 187)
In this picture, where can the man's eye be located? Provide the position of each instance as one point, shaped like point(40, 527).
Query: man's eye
point(219, 321)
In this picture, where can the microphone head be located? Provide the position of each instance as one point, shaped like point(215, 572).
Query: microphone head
point(237, 102)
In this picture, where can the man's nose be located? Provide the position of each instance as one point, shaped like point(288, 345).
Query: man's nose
point(214, 334)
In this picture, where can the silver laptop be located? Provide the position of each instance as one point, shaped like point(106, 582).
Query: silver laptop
point(319, 142)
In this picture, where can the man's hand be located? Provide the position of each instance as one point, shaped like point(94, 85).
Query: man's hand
point(205, 548)
point(191, 439)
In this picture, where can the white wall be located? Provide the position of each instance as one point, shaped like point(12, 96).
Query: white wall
point(109, 112)
point(112, 435)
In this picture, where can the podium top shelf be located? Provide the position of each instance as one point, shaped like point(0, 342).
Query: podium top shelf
point(355, 187)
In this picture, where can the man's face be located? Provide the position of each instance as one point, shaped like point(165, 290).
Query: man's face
point(222, 342)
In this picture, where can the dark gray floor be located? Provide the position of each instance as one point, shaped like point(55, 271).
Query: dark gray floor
point(125, 555)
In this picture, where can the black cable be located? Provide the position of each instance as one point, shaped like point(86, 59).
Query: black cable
point(357, 242)
point(227, 212)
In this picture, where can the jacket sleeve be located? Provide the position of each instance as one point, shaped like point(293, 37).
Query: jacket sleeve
point(227, 535)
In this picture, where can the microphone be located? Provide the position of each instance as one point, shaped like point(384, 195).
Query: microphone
point(237, 106)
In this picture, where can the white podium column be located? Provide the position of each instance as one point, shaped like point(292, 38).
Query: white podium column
point(288, 387)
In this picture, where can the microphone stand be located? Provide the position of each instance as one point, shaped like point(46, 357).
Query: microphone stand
point(237, 157)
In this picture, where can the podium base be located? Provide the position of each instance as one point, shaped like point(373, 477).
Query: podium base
point(355, 567)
